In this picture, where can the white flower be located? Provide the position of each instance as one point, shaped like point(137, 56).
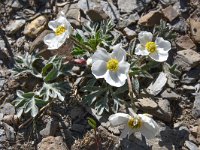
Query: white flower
point(89, 61)
point(157, 50)
point(111, 66)
point(137, 123)
point(62, 30)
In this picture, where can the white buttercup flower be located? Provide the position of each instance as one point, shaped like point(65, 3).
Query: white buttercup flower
point(62, 30)
point(111, 66)
point(157, 50)
point(137, 123)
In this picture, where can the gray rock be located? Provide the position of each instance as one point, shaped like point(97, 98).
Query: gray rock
point(52, 143)
point(168, 2)
point(127, 20)
point(110, 9)
point(15, 4)
point(50, 129)
point(10, 132)
point(147, 104)
point(15, 25)
point(78, 128)
point(196, 106)
point(191, 145)
point(2, 44)
point(187, 59)
point(129, 6)
point(130, 34)
point(8, 109)
point(180, 26)
point(170, 95)
point(76, 113)
point(97, 14)
point(2, 136)
point(191, 76)
point(85, 5)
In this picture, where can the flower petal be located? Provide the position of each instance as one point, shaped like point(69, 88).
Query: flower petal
point(126, 131)
point(100, 54)
point(123, 70)
point(99, 68)
point(119, 119)
point(140, 50)
point(166, 45)
point(118, 52)
point(149, 127)
point(160, 55)
point(60, 21)
point(145, 37)
point(53, 41)
point(113, 79)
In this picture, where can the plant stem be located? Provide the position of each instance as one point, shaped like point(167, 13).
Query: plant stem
point(96, 138)
point(27, 122)
point(131, 93)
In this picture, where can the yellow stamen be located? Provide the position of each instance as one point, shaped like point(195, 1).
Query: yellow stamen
point(113, 65)
point(151, 46)
point(60, 30)
point(135, 123)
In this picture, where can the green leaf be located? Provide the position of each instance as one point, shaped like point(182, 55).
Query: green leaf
point(102, 105)
point(92, 122)
point(77, 51)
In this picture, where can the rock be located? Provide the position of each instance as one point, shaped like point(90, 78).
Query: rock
point(191, 76)
point(20, 41)
point(151, 19)
point(195, 29)
point(184, 42)
point(52, 143)
point(50, 129)
point(168, 2)
point(110, 9)
point(38, 42)
point(127, 20)
point(146, 103)
point(198, 134)
point(2, 44)
point(129, 6)
point(85, 5)
point(191, 145)
point(76, 113)
point(72, 13)
point(2, 136)
point(97, 14)
point(10, 132)
point(35, 27)
point(164, 112)
point(78, 128)
point(130, 34)
point(16, 4)
point(170, 95)
point(170, 13)
point(15, 25)
point(8, 109)
point(181, 26)
point(196, 106)
point(187, 59)
point(194, 130)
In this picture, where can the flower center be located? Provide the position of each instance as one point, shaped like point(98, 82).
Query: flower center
point(113, 65)
point(135, 123)
point(60, 30)
point(151, 46)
